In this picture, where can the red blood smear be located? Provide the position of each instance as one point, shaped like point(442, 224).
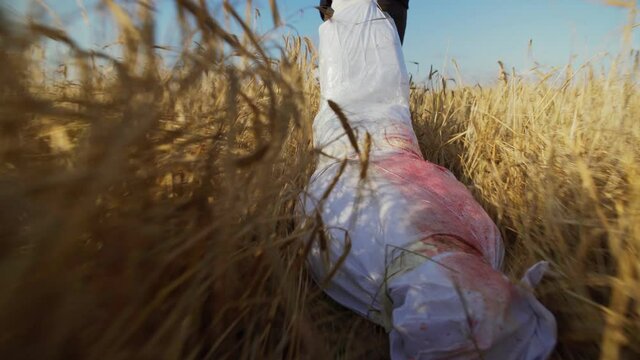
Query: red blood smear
point(496, 290)
point(450, 220)
point(402, 139)
point(441, 205)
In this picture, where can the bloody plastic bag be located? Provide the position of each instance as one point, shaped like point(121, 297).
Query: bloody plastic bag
point(406, 244)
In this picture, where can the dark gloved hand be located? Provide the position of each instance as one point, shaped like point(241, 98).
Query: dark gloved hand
point(326, 12)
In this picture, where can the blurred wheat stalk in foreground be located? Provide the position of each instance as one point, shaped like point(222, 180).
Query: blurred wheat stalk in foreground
point(148, 211)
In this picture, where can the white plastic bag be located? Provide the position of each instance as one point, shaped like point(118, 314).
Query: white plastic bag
point(418, 254)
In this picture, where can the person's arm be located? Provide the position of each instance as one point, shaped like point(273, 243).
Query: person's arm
point(325, 5)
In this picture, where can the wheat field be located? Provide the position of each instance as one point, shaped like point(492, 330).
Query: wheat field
point(148, 211)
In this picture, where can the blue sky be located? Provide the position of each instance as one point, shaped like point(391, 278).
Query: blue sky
point(476, 33)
